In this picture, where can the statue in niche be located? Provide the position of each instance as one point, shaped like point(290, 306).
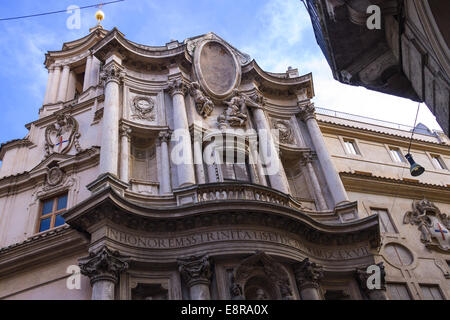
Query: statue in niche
point(143, 108)
point(60, 136)
point(203, 104)
point(233, 113)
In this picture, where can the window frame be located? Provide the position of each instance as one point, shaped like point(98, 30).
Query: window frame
point(400, 154)
point(431, 285)
point(344, 140)
point(405, 284)
point(437, 159)
point(55, 212)
point(372, 209)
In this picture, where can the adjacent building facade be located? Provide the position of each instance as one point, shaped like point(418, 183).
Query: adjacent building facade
point(405, 52)
point(187, 172)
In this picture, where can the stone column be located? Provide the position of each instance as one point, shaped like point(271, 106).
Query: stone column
point(53, 95)
point(196, 272)
point(71, 88)
point(372, 294)
point(182, 153)
point(198, 157)
point(87, 73)
point(125, 138)
point(51, 73)
point(103, 267)
point(109, 153)
point(308, 275)
point(307, 114)
point(63, 84)
point(307, 159)
point(164, 138)
point(269, 152)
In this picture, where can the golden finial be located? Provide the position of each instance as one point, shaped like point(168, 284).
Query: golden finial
point(99, 15)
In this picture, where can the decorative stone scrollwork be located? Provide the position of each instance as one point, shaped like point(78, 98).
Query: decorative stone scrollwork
point(308, 274)
point(203, 104)
point(195, 270)
point(112, 72)
point(307, 111)
point(103, 264)
point(285, 135)
point(62, 135)
point(143, 108)
point(261, 277)
point(433, 225)
point(177, 86)
point(233, 114)
point(373, 294)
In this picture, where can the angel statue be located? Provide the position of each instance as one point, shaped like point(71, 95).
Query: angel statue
point(233, 113)
point(203, 104)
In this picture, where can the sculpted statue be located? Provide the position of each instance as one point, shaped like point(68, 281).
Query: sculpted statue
point(236, 292)
point(203, 104)
point(233, 113)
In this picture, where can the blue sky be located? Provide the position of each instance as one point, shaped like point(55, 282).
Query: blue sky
point(276, 33)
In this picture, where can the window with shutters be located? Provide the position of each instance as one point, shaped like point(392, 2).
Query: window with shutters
point(431, 292)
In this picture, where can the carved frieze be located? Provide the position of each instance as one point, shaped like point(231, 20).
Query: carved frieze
point(433, 225)
point(143, 108)
point(62, 135)
point(203, 104)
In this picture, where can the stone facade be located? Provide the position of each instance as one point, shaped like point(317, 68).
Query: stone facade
point(408, 55)
point(132, 149)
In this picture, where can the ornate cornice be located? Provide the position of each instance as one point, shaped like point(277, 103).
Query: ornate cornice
point(195, 270)
point(103, 264)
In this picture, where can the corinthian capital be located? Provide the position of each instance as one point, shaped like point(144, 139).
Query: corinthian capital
point(307, 157)
point(112, 72)
point(307, 111)
point(165, 136)
point(103, 264)
point(195, 270)
point(125, 131)
point(177, 86)
point(308, 273)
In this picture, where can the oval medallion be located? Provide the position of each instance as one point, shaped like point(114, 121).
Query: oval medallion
point(216, 68)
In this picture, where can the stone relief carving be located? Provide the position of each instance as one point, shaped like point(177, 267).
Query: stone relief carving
point(143, 108)
point(203, 104)
point(433, 225)
point(285, 133)
point(233, 114)
point(195, 270)
point(262, 266)
point(308, 273)
point(103, 264)
point(62, 135)
point(55, 176)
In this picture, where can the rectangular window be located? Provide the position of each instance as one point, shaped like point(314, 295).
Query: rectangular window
point(438, 162)
point(386, 224)
point(350, 146)
point(50, 213)
point(431, 292)
point(397, 155)
point(398, 291)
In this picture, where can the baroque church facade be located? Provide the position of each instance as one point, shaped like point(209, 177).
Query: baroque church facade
point(186, 171)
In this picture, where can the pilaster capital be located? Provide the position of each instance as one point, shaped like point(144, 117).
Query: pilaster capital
point(165, 136)
point(103, 264)
point(308, 157)
point(307, 111)
point(195, 270)
point(112, 73)
point(178, 86)
point(125, 131)
point(362, 276)
point(308, 274)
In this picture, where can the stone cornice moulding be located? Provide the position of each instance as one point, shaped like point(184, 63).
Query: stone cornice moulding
point(41, 248)
point(108, 204)
point(394, 187)
point(382, 137)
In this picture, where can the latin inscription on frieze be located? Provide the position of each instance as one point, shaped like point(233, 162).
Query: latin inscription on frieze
point(231, 235)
